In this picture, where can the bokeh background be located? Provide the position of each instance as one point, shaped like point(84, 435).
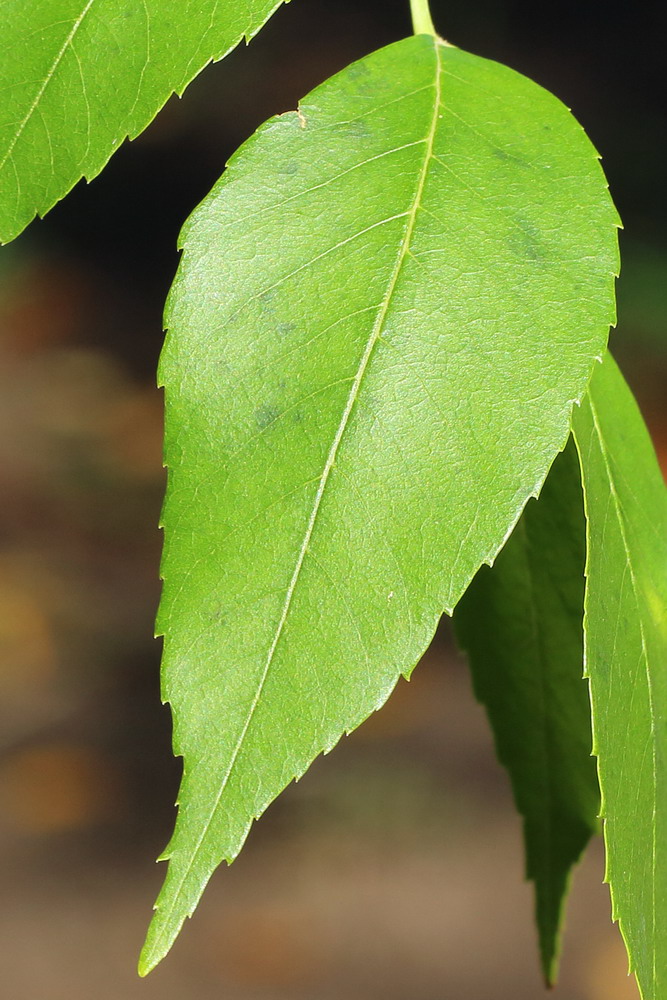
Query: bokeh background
point(394, 869)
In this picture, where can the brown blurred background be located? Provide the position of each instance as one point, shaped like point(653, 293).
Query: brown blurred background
point(394, 869)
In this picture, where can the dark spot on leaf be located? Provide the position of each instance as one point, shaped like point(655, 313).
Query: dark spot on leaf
point(528, 239)
point(357, 71)
point(265, 415)
point(358, 130)
point(215, 615)
point(266, 300)
point(519, 161)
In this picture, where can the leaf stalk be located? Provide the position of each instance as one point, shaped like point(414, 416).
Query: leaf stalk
point(422, 21)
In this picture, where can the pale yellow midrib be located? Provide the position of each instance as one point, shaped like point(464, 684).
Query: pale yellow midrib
point(331, 457)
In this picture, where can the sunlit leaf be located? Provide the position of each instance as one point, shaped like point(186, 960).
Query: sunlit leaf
point(626, 661)
point(384, 312)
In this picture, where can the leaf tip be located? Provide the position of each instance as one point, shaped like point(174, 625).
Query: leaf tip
point(162, 932)
point(144, 966)
point(549, 954)
point(549, 936)
point(153, 950)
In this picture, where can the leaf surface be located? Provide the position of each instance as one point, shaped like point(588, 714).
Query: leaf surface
point(384, 311)
point(626, 661)
point(78, 76)
point(521, 622)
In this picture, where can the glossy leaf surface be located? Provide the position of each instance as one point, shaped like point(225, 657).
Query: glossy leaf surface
point(626, 661)
point(383, 314)
point(78, 76)
point(521, 622)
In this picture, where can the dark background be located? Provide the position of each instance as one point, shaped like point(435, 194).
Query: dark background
point(394, 868)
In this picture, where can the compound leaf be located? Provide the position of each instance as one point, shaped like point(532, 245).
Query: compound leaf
point(626, 661)
point(79, 76)
point(384, 312)
point(521, 622)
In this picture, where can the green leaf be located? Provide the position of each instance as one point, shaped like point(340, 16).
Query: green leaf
point(77, 77)
point(383, 314)
point(626, 661)
point(522, 625)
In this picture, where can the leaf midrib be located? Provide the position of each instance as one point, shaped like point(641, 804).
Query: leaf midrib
point(547, 786)
point(621, 523)
point(328, 466)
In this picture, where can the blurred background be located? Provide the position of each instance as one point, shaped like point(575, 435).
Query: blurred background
point(395, 868)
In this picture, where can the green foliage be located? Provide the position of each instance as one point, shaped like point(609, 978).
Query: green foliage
point(80, 76)
point(626, 655)
point(385, 312)
point(522, 625)
point(387, 363)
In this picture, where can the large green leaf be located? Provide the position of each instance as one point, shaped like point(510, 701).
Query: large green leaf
point(626, 661)
point(522, 625)
point(78, 76)
point(383, 314)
